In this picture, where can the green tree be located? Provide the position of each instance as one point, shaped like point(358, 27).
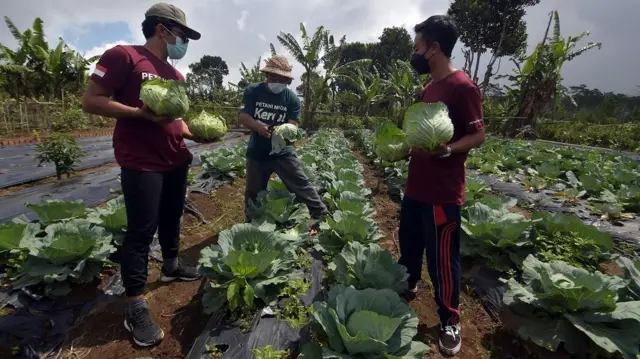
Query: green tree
point(309, 55)
point(395, 43)
point(402, 87)
point(538, 81)
point(38, 71)
point(495, 26)
point(367, 85)
point(62, 151)
point(250, 75)
point(206, 75)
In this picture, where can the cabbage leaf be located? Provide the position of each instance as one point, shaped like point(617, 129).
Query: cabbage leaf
point(208, 126)
point(391, 143)
point(427, 125)
point(282, 135)
point(165, 98)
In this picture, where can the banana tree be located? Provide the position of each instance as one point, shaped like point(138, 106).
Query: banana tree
point(18, 65)
point(538, 80)
point(403, 86)
point(366, 84)
point(250, 75)
point(309, 55)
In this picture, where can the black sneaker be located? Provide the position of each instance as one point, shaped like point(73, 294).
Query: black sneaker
point(450, 339)
point(145, 331)
point(183, 272)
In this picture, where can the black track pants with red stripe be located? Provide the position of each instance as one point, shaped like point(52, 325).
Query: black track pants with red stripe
point(434, 229)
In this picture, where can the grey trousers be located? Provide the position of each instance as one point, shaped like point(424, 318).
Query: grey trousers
point(289, 169)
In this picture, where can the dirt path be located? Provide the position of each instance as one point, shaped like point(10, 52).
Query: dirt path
point(175, 306)
point(482, 336)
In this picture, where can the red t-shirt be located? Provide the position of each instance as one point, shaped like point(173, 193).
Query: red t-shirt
point(140, 144)
point(437, 180)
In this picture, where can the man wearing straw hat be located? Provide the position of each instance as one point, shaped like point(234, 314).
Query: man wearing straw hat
point(264, 106)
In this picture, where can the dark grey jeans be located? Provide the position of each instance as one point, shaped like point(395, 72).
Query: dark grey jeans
point(289, 168)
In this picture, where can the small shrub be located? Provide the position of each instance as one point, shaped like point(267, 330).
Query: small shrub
point(72, 119)
point(61, 150)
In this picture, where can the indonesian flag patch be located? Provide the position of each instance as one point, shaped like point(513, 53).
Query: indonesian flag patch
point(100, 71)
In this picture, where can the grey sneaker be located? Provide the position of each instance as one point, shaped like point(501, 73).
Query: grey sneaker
point(450, 339)
point(184, 272)
point(145, 331)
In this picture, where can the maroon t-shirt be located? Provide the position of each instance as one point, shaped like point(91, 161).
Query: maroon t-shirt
point(140, 144)
point(437, 180)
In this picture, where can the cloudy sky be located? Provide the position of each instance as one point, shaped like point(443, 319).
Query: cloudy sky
point(241, 30)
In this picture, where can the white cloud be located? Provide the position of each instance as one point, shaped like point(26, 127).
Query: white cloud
point(242, 20)
point(360, 20)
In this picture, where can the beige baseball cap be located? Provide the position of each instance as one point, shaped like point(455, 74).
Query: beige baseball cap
point(171, 12)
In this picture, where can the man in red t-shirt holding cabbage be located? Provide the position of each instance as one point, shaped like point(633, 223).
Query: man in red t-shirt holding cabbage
point(151, 151)
point(430, 214)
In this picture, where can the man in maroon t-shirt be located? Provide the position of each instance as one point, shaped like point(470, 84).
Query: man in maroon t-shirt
point(151, 151)
point(430, 214)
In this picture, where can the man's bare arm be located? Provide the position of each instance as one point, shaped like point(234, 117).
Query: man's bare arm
point(294, 122)
point(247, 121)
point(97, 100)
point(468, 142)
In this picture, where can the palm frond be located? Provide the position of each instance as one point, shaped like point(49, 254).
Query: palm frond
point(584, 49)
point(13, 29)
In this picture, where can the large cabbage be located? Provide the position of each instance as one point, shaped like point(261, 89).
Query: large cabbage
point(391, 143)
point(427, 125)
point(165, 98)
point(208, 126)
point(369, 323)
point(282, 135)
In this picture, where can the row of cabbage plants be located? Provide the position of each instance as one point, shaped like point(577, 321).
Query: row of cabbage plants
point(262, 264)
point(552, 266)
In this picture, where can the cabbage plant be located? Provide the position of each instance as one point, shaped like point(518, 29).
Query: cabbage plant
point(562, 304)
point(391, 143)
point(427, 125)
point(165, 98)
point(369, 266)
point(363, 324)
point(208, 126)
point(282, 135)
point(248, 263)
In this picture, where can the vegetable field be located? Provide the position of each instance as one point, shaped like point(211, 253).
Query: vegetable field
point(549, 272)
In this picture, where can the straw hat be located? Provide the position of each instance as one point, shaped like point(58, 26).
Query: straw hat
point(278, 65)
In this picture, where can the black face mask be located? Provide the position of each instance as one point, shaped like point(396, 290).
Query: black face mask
point(420, 64)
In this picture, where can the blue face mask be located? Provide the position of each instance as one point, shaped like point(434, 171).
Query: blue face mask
point(276, 87)
point(178, 50)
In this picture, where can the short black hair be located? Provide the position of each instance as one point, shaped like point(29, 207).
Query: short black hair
point(441, 29)
point(150, 22)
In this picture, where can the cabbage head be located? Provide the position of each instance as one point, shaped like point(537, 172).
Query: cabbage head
point(208, 126)
point(369, 323)
point(282, 135)
point(427, 125)
point(391, 143)
point(165, 98)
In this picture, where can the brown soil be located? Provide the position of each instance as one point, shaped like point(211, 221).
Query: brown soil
point(526, 213)
point(13, 189)
point(175, 306)
point(611, 268)
point(482, 336)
